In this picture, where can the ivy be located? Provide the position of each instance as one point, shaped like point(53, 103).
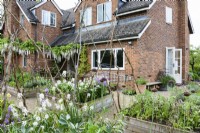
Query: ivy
point(84, 66)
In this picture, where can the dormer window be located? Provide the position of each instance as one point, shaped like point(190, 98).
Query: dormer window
point(48, 18)
point(104, 12)
point(86, 16)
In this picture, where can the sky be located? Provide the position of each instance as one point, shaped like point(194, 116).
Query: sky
point(193, 6)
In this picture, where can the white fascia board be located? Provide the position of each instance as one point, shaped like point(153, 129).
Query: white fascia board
point(57, 7)
point(23, 12)
point(69, 27)
point(78, 4)
point(145, 28)
point(38, 5)
point(54, 3)
point(139, 10)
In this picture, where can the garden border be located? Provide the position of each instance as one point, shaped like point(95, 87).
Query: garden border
point(141, 126)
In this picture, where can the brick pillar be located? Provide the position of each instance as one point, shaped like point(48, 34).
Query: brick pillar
point(184, 37)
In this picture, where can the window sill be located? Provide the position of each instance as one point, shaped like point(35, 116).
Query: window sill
point(112, 69)
point(49, 26)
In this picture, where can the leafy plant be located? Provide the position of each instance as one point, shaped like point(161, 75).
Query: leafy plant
point(141, 81)
point(84, 65)
point(166, 79)
point(129, 92)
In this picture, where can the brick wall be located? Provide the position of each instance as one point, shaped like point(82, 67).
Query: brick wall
point(93, 4)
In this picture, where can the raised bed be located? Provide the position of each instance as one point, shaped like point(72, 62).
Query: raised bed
point(27, 93)
point(141, 126)
point(101, 103)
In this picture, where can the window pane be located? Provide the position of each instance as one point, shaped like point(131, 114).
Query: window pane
point(107, 59)
point(108, 11)
point(120, 57)
point(95, 59)
point(53, 19)
point(99, 13)
point(88, 16)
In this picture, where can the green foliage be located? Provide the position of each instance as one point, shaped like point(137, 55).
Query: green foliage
point(166, 79)
point(66, 51)
point(195, 62)
point(84, 66)
point(27, 81)
point(129, 92)
point(87, 90)
point(193, 86)
point(69, 119)
point(171, 112)
point(141, 81)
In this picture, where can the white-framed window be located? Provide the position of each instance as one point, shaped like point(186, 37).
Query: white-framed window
point(48, 18)
point(104, 12)
point(22, 17)
point(109, 58)
point(24, 61)
point(86, 16)
point(169, 15)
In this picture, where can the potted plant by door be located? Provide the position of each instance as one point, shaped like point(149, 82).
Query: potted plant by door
point(141, 83)
point(167, 81)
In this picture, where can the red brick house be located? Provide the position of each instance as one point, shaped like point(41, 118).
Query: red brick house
point(41, 19)
point(154, 35)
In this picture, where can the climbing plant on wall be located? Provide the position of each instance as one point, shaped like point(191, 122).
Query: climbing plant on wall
point(84, 67)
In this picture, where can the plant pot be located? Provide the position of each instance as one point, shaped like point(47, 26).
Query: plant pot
point(142, 88)
point(163, 88)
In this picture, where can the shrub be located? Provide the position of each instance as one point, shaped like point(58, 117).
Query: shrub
point(129, 92)
point(165, 80)
point(141, 81)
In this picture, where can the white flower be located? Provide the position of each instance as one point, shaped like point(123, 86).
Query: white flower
point(25, 111)
point(35, 123)
point(24, 123)
point(57, 106)
point(73, 79)
point(40, 109)
point(91, 107)
point(60, 101)
point(85, 107)
point(58, 82)
point(48, 103)
point(41, 96)
point(38, 118)
point(70, 104)
point(64, 81)
point(62, 107)
point(19, 95)
point(46, 116)
point(88, 95)
point(15, 114)
point(31, 129)
point(68, 117)
point(42, 127)
point(68, 96)
point(64, 73)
